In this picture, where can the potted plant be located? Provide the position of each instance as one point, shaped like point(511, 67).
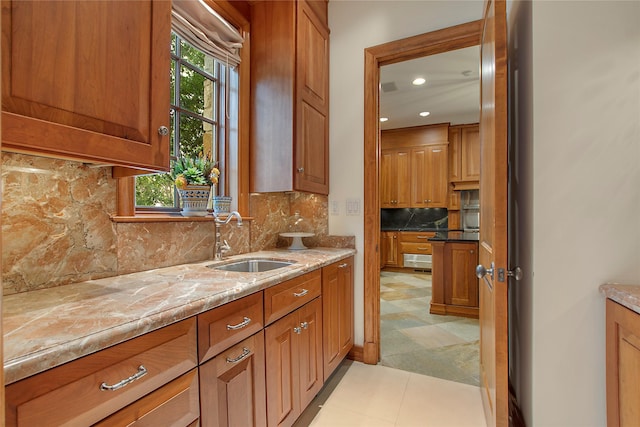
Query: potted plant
point(193, 177)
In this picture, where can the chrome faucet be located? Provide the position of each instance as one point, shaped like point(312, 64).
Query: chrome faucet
point(221, 247)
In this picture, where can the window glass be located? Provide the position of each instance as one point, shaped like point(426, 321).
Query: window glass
point(198, 120)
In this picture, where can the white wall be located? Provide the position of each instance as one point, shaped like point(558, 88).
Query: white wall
point(355, 26)
point(585, 197)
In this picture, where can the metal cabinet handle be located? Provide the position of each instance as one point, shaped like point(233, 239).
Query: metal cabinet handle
point(300, 170)
point(245, 353)
point(142, 371)
point(422, 237)
point(301, 294)
point(297, 330)
point(422, 249)
point(240, 325)
point(343, 265)
point(304, 325)
point(163, 131)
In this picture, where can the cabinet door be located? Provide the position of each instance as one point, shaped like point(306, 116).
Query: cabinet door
point(232, 386)
point(337, 313)
point(395, 179)
point(470, 155)
point(463, 283)
point(312, 82)
point(429, 176)
point(310, 351)
point(455, 153)
point(389, 249)
point(282, 371)
point(94, 85)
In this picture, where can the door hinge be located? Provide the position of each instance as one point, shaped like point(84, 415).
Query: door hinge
point(516, 273)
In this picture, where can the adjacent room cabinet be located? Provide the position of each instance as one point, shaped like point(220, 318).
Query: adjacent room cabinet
point(623, 365)
point(414, 166)
point(429, 185)
point(93, 90)
point(337, 313)
point(464, 159)
point(395, 178)
point(389, 249)
point(290, 96)
point(454, 283)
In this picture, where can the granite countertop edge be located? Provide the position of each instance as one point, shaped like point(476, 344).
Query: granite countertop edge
point(47, 328)
point(626, 295)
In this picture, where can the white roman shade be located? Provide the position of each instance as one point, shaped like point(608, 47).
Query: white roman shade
point(200, 25)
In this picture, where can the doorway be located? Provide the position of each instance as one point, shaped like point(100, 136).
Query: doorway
point(458, 37)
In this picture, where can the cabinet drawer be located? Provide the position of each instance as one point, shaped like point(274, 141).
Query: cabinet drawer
point(175, 404)
point(224, 326)
point(74, 394)
point(287, 296)
point(415, 248)
point(416, 237)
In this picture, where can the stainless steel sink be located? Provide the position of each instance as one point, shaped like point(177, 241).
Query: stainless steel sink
point(258, 265)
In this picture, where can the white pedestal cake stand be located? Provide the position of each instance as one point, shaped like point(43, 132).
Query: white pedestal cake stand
point(297, 244)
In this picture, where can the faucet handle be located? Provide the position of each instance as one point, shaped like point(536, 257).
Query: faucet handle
point(225, 247)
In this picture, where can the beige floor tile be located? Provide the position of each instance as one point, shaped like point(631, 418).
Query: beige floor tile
point(432, 336)
point(434, 402)
point(339, 417)
point(370, 390)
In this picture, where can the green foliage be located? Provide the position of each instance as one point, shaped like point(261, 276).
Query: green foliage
point(196, 170)
point(155, 190)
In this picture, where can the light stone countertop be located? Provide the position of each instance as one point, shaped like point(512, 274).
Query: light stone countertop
point(627, 295)
point(49, 327)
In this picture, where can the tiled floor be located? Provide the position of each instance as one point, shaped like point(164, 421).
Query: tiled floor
point(378, 396)
point(413, 340)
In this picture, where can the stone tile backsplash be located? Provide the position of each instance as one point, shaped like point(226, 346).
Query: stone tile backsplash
point(56, 227)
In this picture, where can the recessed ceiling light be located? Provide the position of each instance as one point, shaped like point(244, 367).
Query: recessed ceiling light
point(419, 81)
point(424, 113)
point(384, 119)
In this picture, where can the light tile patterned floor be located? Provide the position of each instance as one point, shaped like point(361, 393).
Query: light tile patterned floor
point(413, 340)
point(375, 395)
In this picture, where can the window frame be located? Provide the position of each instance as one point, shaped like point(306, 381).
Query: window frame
point(126, 210)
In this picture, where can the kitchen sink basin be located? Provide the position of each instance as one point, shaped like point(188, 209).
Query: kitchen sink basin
point(258, 265)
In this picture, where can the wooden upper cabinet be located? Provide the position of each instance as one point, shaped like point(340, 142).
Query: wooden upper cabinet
point(290, 97)
point(395, 178)
point(87, 80)
point(464, 156)
point(429, 176)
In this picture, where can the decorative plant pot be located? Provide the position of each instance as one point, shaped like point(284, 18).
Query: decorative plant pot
point(221, 204)
point(194, 200)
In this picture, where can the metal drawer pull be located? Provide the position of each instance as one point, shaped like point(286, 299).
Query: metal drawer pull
point(245, 353)
point(304, 325)
point(343, 265)
point(422, 249)
point(142, 371)
point(245, 322)
point(297, 330)
point(301, 294)
point(422, 237)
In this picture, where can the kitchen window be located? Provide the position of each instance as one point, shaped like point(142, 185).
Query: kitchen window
point(203, 110)
point(209, 92)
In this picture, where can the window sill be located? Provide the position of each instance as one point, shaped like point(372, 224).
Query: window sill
point(166, 217)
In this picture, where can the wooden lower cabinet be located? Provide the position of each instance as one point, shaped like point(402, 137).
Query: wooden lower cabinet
point(337, 313)
point(232, 386)
point(389, 249)
point(454, 283)
point(175, 404)
point(623, 365)
point(294, 367)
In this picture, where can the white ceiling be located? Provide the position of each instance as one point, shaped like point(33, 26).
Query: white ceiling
point(451, 94)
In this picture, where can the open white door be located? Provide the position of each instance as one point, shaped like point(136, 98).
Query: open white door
point(493, 249)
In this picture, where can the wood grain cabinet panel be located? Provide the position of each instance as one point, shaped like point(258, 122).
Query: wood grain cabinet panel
point(73, 394)
point(290, 97)
point(291, 294)
point(224, 326)
point(232, 386)
point(87, 80)
point(454, 283)
point(389, 249)
point(623, 365)
point(395, 178)
point(293, 346)
point(337, 313)
point(429, 176)
point(464, 156)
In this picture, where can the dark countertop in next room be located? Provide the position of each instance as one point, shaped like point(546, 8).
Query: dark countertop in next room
point(455, 236)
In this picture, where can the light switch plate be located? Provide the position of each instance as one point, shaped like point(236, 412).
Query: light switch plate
point(335, 207)
point(353, 206)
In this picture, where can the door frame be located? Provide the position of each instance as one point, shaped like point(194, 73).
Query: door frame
point(444, 40)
